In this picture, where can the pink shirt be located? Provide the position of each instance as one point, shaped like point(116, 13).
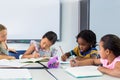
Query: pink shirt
point(112, 65)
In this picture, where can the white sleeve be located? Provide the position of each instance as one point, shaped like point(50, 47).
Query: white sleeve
point(20, 56)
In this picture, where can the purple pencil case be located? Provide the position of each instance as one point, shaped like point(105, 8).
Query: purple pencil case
point(53, 62)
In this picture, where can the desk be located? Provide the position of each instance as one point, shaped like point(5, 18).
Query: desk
point(60, 74)
point(41, 74)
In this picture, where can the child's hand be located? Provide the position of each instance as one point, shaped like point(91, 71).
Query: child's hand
point(35, 55)
point(102, 69)
point(63, 57)
point(12, 50)
point(74, 62)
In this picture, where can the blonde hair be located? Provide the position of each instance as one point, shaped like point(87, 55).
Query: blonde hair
point(2, 27)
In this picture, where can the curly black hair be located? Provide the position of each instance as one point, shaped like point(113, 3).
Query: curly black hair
point(89, 36)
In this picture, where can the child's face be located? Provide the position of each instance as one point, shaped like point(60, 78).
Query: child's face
point(83, 45)
point(3, 35)
point(45, 43)
point(103, 53)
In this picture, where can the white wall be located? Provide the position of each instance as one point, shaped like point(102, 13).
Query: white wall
point(105, 17)
point(69, 27)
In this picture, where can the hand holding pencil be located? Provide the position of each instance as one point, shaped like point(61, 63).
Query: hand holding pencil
point(35, 55)
point(64, 56)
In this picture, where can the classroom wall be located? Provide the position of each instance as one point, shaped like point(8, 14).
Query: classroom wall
point(69, 27)
point(105, 17)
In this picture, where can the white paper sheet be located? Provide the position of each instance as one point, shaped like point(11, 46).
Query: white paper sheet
point(15, 74)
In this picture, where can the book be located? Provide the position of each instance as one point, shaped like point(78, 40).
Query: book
point(33, 60)
point(15, 74)
point(64, 62)
point(11, 63)
point(67, 60)
point(83, 71)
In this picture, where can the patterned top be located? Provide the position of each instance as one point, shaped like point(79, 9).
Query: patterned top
point(52, 52)
point(110, 66)
point(88, 54)
point(3, 50)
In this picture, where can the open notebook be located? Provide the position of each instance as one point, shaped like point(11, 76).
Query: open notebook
point(33, 60)
point(83, 71)
point(11, 63)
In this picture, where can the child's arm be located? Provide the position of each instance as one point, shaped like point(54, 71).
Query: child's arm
point(6, 57)
point(113, 72)
point(68, 54)
point(12, 50)
point(84, 62)
point(9, 49)
point(30, 50)
point(65, 56)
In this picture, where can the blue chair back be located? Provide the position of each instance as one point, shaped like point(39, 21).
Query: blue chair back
point(16, 55)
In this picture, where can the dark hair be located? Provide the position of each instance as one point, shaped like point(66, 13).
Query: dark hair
point(51, 36)
point(88, 36)
point(111, 42)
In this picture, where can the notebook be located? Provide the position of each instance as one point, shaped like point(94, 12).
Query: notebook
point(62, 53)
point(15, 74)
point(83, 71)
point(64, 62)
point(11, 63)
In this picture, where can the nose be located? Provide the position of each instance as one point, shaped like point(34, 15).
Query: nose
point(44, 46)
point(81, 47)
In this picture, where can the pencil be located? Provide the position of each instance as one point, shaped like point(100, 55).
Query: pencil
point(61, 50)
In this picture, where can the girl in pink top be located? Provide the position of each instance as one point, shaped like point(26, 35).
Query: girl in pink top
point(112, 65)
point(110, 56)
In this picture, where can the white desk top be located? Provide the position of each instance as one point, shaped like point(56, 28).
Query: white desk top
point(60, 74)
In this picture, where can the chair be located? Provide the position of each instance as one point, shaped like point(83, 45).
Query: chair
point(16, 55)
